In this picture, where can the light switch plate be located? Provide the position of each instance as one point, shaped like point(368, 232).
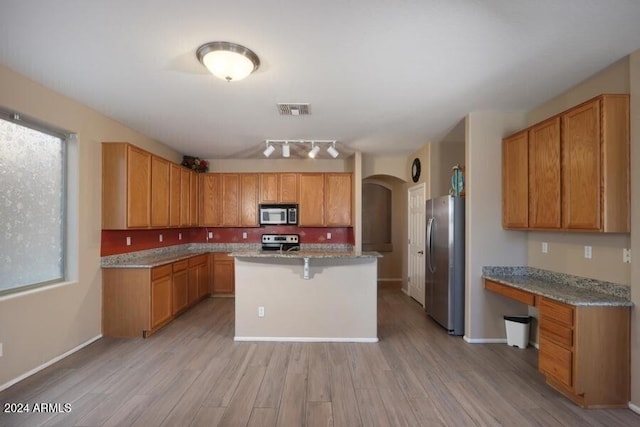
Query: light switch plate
point(587, 252)
point(244, 234)
point(211, 234)
point(545, 247)
point(128, 241)
point(328, 236)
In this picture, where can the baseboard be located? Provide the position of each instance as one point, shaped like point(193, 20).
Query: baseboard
point(390, 280)
point(485, 340)
point(49, 363)
point(304, 339)
point(634, 408)
point(405, 291)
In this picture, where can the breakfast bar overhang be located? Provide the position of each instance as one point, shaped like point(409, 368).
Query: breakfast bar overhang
point(306, 296)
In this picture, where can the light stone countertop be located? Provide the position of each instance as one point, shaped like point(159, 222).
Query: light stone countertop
point(573, 290)
point(304, 254)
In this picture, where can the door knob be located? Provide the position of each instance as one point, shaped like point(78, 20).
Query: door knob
point(421, 252)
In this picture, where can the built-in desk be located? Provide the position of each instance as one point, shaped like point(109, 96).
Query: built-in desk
point(584, 337)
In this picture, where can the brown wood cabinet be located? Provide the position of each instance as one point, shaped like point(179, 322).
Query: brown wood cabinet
point(577, 170)
point(126, 187)
point(209, 200)
point(223, 274)
point(337, 199)
point(278, 188)
point(584, 352)
point(193, 198)
point(198, 278)
point(229, 199)
point(161, 295)
point(595, 187)
point(185, 198)
point(544, 174)
point(515, 181)
point(175, 174)
point(311, 200)
point(249, 199)
point(160, 192)
point(180, 288)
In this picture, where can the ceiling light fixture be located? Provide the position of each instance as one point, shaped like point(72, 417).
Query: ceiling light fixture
point(285, 149)
point(314, 150)
point(332, 150)
point(269, 150)
point(228, 61)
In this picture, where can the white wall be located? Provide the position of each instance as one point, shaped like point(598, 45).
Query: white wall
point(38, 326)
point(487, 243)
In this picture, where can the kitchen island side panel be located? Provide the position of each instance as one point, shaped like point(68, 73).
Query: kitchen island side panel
point(337, 303)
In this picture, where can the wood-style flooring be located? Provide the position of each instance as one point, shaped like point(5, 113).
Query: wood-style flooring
point(192, 373)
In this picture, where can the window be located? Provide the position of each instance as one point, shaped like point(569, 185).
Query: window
point(32, 204)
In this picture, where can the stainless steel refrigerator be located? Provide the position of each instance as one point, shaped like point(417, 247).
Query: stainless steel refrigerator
point(444, 272)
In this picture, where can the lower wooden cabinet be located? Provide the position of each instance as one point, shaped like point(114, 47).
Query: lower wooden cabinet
point(222, 274)
point(139, 301)
point(584, 352)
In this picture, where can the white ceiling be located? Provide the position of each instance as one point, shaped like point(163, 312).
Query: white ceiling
point(382, 77)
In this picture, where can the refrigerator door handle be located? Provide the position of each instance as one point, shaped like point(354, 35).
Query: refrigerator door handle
point(430, 245)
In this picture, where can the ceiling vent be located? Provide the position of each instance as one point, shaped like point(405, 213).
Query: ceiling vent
point(293, 109)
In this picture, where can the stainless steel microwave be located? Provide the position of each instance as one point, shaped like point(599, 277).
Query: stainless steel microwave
point(279, 214)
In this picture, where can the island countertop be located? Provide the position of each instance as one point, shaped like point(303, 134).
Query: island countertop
point(304, 254)
point(565, 288)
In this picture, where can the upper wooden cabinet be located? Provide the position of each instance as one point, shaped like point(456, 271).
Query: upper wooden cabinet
point(174, 194)
point(337, 199)
point(160, 192)
point(544, 174)
point(595, 153)
point(230, 199)
point(209, 205)
point(193, 198)
point(249, 199)
point(278, 188)
point(126, 187)
point(515, 181)
point(577, 170)
point(311, 200)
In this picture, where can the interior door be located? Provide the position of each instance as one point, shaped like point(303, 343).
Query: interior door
point(416, 233)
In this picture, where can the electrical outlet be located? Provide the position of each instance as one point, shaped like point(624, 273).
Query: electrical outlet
point(260, 311)
point(160, 238)
point(587, 252)
point(545, 247)
point(626, 256)
point(179, 236)
point(1, 352)
point(328, 236)
point(211, 234)
point(128, 241)
point(244, 234)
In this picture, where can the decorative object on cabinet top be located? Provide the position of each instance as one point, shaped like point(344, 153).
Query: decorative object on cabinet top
point(566, 288)
point(195, 163)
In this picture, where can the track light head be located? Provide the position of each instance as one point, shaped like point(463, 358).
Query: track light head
point(269, 150)
point(314, 150)
point(332, 150)
point(285, 150)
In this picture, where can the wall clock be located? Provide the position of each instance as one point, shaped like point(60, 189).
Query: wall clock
point(415, 170)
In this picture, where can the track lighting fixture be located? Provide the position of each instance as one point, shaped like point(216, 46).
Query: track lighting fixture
point(285, 149)
point(332, 150)
point(269, 150)
point(314, 150)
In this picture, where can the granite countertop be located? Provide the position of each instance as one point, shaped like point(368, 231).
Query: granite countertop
point(573, 290)
point(304, 254)
point(156, 257)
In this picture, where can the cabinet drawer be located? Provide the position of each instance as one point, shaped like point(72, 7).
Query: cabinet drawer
point(180, 265)
point(163, 270)
point(510, 292)
point(197, 260)
point(556, 332)
point(555, 361)
point(561, 313)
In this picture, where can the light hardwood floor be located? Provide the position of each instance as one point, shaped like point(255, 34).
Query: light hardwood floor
point(193, 373)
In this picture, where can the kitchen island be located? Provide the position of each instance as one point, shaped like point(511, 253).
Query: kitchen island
point(306, 296)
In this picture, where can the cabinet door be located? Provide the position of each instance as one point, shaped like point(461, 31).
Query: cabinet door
point(223, 274)
point(192, 285)
point(544, 174)
point(180, 297)
point(581, 186)
point(249, 199)
point(161, 292)
point(203, 279)
point(230, 199)
point(311, 200)
point(209, 199)
point(160, 192)
point(193, 198)
point(515, 186)
point(174, 196)
point(337, 199)
point(185, 197)
point(268, 188)
point(138, 187)
point(288, 188)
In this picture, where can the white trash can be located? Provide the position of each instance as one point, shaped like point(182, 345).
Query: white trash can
point(517, 330)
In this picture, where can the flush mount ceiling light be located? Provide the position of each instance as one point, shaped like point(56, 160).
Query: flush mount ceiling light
point(313, 152)
point(228, 61)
